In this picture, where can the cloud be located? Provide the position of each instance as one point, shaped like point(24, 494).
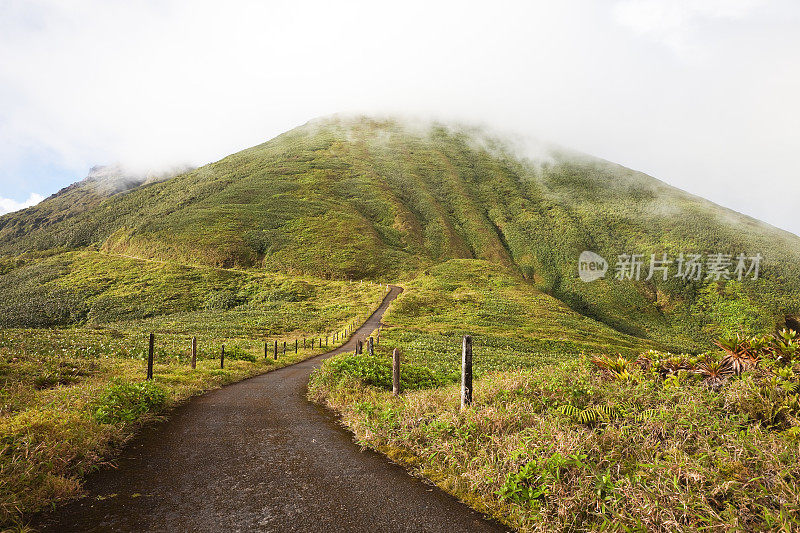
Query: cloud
point(700, 94)
point(677, 23)
point(7, 205)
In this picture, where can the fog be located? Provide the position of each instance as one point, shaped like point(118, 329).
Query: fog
point(700, 94)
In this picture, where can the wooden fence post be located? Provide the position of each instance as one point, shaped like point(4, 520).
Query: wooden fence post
point(222, 358)
point(150, 356)
point(194, 352)
point(276, 350)
point(370, 347)
point(304, 343)
point(295, 346)
point(266, 349)
point(284, 348)
point(466, 372)
point(396, 372)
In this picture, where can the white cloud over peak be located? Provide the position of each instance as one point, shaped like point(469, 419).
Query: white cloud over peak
point(700, 93)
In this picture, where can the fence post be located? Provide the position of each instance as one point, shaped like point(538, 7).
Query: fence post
point(371, 347)
point(284, 348)
point(396, 372)
point(466, 372)
point(150, 356)
point(276, 350)
point(194, 352)
point(295, 346)
point(304, 343)
point(222, 358)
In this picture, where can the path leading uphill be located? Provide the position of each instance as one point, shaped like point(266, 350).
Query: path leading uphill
point(258, 456)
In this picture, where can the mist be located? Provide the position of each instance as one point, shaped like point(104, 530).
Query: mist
point(701, 95)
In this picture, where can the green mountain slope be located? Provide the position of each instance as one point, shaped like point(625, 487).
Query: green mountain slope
point(382, 199)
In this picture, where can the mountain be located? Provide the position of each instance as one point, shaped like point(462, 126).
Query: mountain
point(384, 199)
point(101, 183)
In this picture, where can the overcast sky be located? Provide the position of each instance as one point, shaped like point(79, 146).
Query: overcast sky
point(703, 94)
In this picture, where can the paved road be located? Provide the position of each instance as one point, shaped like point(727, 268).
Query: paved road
point(258, 456)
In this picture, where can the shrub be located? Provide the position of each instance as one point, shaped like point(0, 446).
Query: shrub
point(534, 479)
point(377, 372)
point(222, 300)
point(291, 291)
point(239, 353)
point(124, 402)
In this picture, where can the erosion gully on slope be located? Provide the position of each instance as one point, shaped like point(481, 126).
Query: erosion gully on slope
point(258, 456)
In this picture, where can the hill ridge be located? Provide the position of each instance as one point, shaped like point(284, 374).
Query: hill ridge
point(366, 198)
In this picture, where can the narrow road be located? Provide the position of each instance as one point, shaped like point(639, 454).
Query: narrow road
point(258, 456)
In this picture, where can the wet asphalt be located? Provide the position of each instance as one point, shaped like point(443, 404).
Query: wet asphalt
point(258, 456)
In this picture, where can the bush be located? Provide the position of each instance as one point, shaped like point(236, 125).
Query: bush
point(222, 300)
point(377, 371)
point(291, 291)
point(124, 402)
point(768, 402)
point(239, 353)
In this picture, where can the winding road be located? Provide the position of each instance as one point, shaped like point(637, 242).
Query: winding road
point(258, 456)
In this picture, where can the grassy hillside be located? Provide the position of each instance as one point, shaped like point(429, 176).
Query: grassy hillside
point(380, 199)
point(60, 208)
point(96, 288)
point(517, 325)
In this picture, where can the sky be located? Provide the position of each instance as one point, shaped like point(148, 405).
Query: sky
point(702, 94)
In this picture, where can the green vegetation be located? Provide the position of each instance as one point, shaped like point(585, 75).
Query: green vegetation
point(128, 402)
point(72, 394)
point(576, 426)
point(518, 324)
point(377, 372)
point(272, 243)
point(380, 199)
point(577, 445)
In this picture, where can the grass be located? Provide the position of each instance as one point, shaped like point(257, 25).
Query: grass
point(551, 442)
point(71, 395)
point(517, 325)
point(684, 459)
